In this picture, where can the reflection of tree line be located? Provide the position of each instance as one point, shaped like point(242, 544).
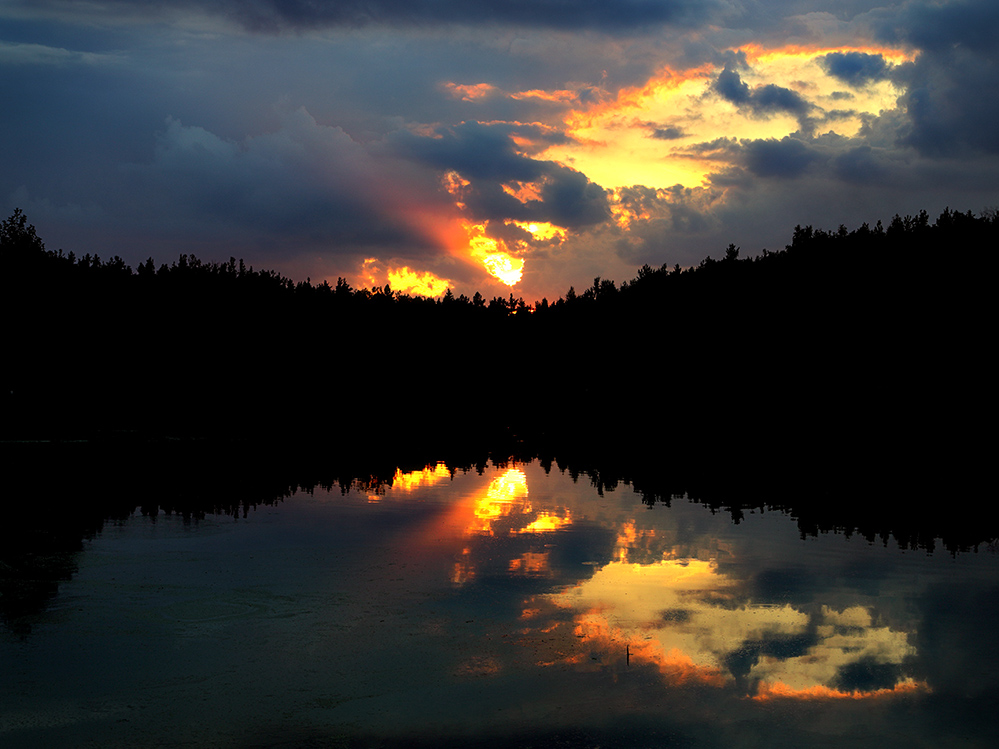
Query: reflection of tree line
point(64, 493)
point(59, 494)
point(840, 379)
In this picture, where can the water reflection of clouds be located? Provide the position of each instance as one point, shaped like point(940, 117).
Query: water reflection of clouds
point(601, 584)
point(661, 597)
point(683, 610)
point(681, 607)
point(571, 618)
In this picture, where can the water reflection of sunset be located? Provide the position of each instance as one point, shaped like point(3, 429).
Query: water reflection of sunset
point(518, 605)
point(778, 690)
point(410, 481)
point(506, 494)
point(530, 563)
point(545, 523)
point(648, 601)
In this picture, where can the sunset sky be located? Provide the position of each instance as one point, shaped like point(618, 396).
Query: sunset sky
point(432, 144)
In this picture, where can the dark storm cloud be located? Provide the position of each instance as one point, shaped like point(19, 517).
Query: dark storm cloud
point(949, 87)
point(88, 86)
point(966, 615)
point(304, 185)
point(939, 27)
point(771, 98)
point(787, 157)
point(731, 86)
point(568, 199)
point(859, 165)
point(483, 151)
point(855, 68)
point(571, 199)
point(279, 15)
point(868, 675)
point(951, 106)
point(474, 150)
point(487, 157)
point(763, 100)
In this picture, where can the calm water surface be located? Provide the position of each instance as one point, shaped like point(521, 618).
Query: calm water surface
point(512, 608)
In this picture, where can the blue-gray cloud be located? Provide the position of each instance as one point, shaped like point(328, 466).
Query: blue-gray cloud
point(241, 169)
point(787, 157)
point(856, 68)
point(939, 27)
point(731, 87)
point(762, 100)
point(950, 86)
point(485, 155)
point(271, 16)
point(859, 165)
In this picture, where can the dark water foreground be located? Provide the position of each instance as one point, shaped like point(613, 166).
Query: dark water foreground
point(512, 602)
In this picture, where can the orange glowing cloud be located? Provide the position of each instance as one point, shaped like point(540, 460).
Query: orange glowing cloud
point(455, 184)
point(470, 92)
point(504, 267)
point(476, 91)
point(610, 140)
point(625, 215)
point(523, 191)
point(408, 281)
point(562, 95)
point(541, 230)
point(492, 254)
point(374, 274)
point(643, 135)
point(758, 53)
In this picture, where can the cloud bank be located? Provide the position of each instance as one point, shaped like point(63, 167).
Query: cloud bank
point(582, 139)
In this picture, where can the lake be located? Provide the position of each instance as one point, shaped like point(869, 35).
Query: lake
point(507, 607)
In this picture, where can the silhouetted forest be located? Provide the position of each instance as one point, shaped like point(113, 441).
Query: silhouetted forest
point(844, 379)
point(204, 347)
point(876, 334)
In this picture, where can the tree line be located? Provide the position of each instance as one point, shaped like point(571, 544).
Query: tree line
point(814, 260)
point(852, 346)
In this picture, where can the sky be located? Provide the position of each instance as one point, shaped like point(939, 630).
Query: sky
point(499, 146)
